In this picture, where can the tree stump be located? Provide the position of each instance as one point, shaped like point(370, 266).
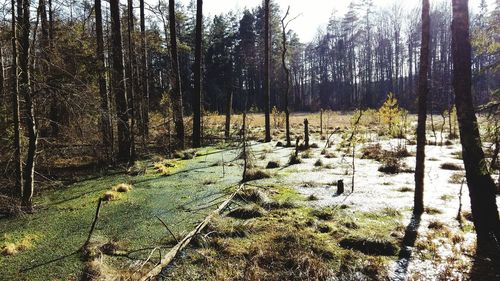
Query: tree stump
point(306, 133)
point(321, 122)
point(340, 187)
point(297, 147)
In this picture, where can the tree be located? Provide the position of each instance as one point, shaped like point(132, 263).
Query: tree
point(131, 78)
point(175, 77)
point(284, 26)
point(144, 75)
point(423, 90)
point(15, 106)
point(479, 181)
point(197, 76)
point(118, 83)
point(29, 110)
point(267, 70)
point(106, 131)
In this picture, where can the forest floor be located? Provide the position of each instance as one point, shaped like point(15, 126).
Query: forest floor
point(287, 224)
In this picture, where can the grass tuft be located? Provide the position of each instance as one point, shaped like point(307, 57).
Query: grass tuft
point(370, 246)
point(451, 166)
point(255, 174)
point(273, 165)
point(432, 211)
point(318, 163)
point(248, 211)
point(294, 159)
point(110, 196)
point(122, 187)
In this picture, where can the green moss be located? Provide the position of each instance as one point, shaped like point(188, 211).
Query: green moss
point(63, 219)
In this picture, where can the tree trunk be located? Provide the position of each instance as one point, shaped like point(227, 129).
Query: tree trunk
point(229, 112)
point(144, 75)
point(131, 85)
point(287, 77)
point(423, 90)
point(117, 83)
point(267, 70)
point(15, 106)
point(176, 78)
point(29, 111)
point(481, 185)
point(106, 131)
point(197, 76)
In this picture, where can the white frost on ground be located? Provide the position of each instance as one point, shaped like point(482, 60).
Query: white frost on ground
point(375, 190)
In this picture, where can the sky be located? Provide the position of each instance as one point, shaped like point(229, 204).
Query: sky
point(313, 14)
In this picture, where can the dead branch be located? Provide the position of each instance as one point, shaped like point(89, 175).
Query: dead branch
point(167, 259)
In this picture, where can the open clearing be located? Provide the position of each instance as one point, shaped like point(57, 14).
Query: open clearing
point(298, 228)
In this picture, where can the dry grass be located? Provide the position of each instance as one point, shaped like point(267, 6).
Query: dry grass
point(9, 249)
point(370, 246)
point(436, 225)
point(248, 211)
point(273, 165)
point(373, 151)
point(319, 163)
point(12, 247)
point(255, 174)
point(432, 211)
point(294, 160)
point(456, 178)
point(451, 166)
point(110, 196)
point(122, 188)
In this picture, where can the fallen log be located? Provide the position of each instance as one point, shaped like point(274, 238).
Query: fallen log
point(168, 258)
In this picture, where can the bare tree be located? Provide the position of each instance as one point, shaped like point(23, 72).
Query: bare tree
point(284, 25)
point(29, 110)
point(423, 90)
point(106, 131)
point(267, 69)
point(176, 78)
point(144, 75)
point(131, 78)
point(118, 83)
point(197, 76)
point(15, 105)
point(481, 185)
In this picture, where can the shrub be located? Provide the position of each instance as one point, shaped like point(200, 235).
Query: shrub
point(318, 163)
point(373, 151)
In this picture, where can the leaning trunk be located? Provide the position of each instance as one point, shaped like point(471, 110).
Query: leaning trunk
point(479, 181)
